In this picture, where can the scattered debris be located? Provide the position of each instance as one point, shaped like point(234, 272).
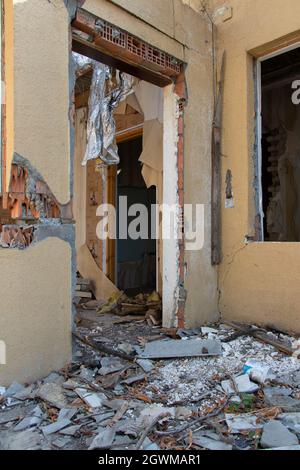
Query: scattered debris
point(201, 392)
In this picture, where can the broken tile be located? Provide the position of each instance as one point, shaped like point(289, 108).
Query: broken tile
point(2, 391)
point(103, 417)
point(104, 439)
point(284, 402)
point(54, 377)
point(61, 442)
point(14, 388)
point(134, 379)
point(180, 348)
point(12, 415)
point(275, 434)
point(93, 400)
point(210, 444)
point(291, 421)
point(67, 413)
point(145, 364)
point(243, 385)
point(110, 365)
point(55, 427)
point(52, 393)
point(71, 430)
point(28, 422)
point(240, 423)
point(24, 440)
point(24, 394)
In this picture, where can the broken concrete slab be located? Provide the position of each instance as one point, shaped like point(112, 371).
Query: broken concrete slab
point(54, 377)
point(145, 364)
point(52, 393)
point(24, 440)
point(93, 400)
point(13, 414)
point(210, 444)
point(55, 427)
point(291, 421)
point(104, 439)
point(182, 348)
point(24, 394)
point(133, 379)
point(284, 402)
point(242, 422)
point(71, 430)
point(61, 442)
point(275, 434)
point(111, 364)
point(242, 383)
point(14, 388)
point(67, 413)
point(28, 422)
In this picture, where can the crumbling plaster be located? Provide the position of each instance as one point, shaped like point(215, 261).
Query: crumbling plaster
point(258, 282)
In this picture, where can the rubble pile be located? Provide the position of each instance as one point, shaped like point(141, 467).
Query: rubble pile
point(214, 388)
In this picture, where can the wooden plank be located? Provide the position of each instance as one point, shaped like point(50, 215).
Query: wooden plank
point(216, 173)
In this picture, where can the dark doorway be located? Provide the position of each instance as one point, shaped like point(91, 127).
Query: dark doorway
point(136, 259)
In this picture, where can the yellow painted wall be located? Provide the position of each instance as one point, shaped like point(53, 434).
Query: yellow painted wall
point(41, 90)
point(258, 282)
point(35, 310)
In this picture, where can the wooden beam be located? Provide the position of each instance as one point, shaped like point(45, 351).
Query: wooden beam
point(216, 173)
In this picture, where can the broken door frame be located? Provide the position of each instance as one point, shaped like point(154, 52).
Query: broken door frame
point(112, 45)
point(259, 191)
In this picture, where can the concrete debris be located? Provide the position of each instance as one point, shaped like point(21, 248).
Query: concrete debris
point(52, 393)
point(110, 365)
point(28, 422)
point(291, 421)
point(210, 444)
point(25, 440)
point(104, 439)
point(245, 388)
point(145, 364)
point(241, 383)
point(241, 423)
point(275, 434)
point(93, 400)
point(174, 348)
point(56, 426)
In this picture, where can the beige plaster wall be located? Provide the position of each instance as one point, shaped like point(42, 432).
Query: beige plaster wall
point(258, 282)
point(41, 90)
point(35, 310)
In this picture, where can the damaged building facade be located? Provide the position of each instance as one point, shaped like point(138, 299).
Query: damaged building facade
point(164, 95)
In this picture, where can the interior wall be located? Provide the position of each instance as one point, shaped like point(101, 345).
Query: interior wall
point(258, 282)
